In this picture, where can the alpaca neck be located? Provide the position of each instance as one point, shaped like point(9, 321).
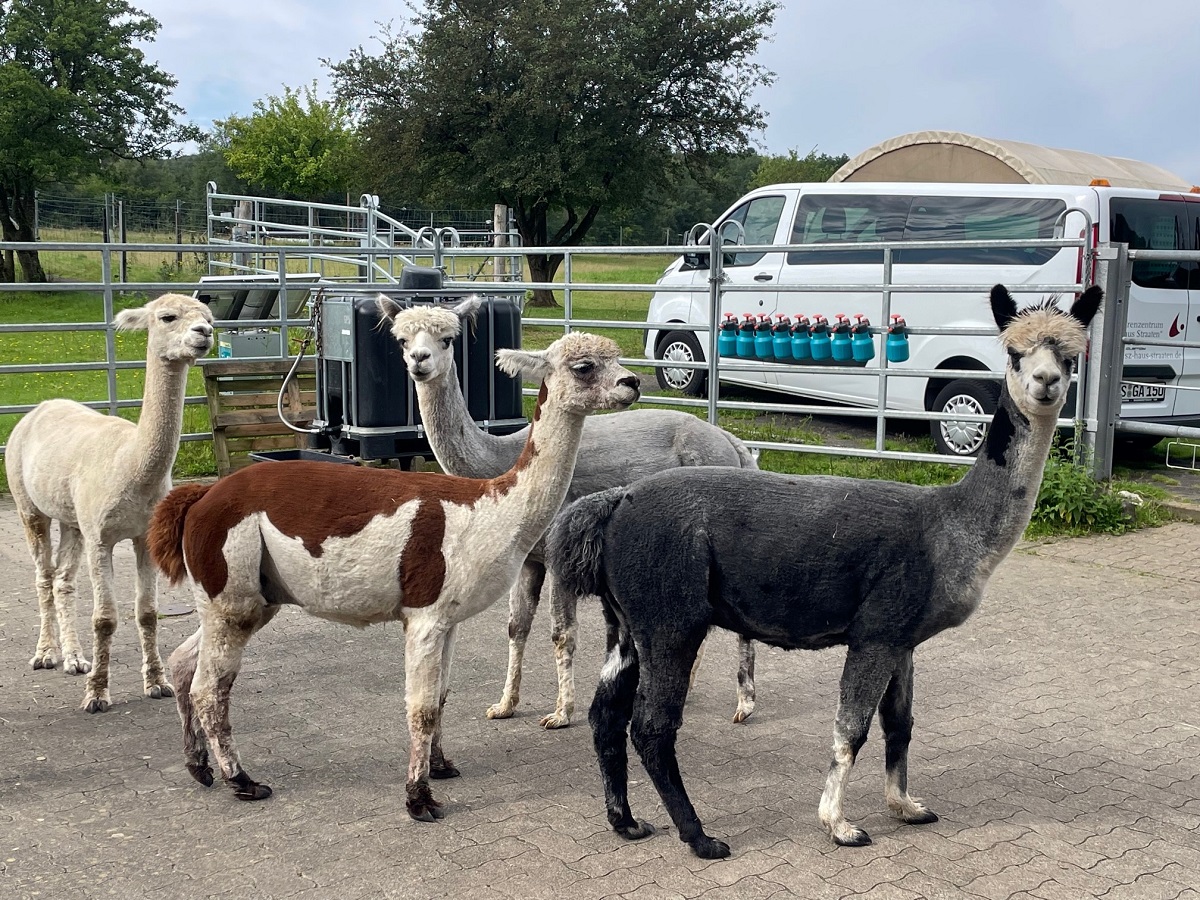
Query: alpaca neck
point(542, 473)
point(997, 496)
point(460, 446)
point(161, 421)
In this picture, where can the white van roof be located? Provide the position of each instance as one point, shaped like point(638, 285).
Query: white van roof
point(955, 157)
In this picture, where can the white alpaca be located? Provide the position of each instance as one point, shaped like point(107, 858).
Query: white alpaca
point(362, 546)
point(100, 477)
point(614, 450)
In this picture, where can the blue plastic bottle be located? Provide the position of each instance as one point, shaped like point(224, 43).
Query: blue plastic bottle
point(764, 339)
point(801, 350)
point(745, 337)
point(897, 339)
point(861, 340)
point(781, 338)
point(727, 336)
point(839, 341)
point(819, 333)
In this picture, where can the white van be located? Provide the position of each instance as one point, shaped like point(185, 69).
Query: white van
point(1164, 297)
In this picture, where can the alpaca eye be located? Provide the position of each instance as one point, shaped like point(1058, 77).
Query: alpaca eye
point(1015, 358)
point(403, 341)
point(447, 341)
point(169, 317)
point(583, 368)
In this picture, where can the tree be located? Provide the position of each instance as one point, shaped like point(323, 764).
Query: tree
point(74, 91)
point(557, 108)
point(295, 144)
point(785, 169)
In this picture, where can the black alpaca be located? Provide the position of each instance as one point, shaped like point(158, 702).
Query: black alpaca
point(886, 566)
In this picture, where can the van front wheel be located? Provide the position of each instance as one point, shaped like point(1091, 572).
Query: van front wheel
point(680, 346)
point(976, 398)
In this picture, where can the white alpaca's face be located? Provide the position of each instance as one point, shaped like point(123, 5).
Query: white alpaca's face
point(426, 338)
point(1042, 345)
point(178, 328)
point(581, 373)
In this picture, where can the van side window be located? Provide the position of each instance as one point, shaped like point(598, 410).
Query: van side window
point(1156, 225)
point(980, 219)
point(759, 220)
point(845, 219)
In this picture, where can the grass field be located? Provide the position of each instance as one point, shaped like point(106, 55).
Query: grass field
point(196, 457)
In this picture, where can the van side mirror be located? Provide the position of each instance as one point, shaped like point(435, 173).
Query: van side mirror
point(694, 261)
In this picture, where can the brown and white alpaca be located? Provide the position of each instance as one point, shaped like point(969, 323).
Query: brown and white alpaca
point(362, 546)
point(614, 450)
point(100, 477)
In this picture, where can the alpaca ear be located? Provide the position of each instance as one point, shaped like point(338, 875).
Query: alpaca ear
point(387, 307)
point(531, 364)
point(1004, 308)
point(137, 319)
point(1087, 305)
point(467, 310)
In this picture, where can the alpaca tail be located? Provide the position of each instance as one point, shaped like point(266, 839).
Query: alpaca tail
point(575, 542)
point(165, 537)
point(745, 457)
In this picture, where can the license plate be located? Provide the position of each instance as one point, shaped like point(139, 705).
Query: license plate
point(1143, 393)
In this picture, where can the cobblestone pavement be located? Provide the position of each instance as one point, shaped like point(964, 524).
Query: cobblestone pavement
point(1058, 735)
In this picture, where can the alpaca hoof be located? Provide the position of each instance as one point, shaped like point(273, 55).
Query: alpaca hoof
point(924, 817)
point(501, 710)
point(851, 836)
point(636, 831)
point(44, 660)
point(245, 788)
point(707, 847)
point(74, 664)
point(742, 714)
point(555, 720)
point(202, 772)
point(421, 805)
point(445, 770)
point(159, 691)
point(95, 704)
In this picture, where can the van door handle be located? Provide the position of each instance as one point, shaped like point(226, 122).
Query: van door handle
point(763, 276)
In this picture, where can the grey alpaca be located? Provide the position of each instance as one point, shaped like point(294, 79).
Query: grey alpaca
point(615, 450)
point(887, 567)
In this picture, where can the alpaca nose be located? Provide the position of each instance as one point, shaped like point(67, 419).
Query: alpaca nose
point(1047, 378)
point(419, 355)
point(204, 328)
point(631, 381)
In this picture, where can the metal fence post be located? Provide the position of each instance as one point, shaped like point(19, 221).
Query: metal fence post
point(1102, 398)
point(110, 333)
point(715, 277)
point(178, 232)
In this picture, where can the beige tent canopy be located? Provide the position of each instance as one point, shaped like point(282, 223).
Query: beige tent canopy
point(951, 156)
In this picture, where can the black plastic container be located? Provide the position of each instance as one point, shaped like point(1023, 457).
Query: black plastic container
point(366, 404)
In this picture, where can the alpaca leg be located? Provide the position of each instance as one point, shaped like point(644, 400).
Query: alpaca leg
point(695, 673)
point(657, 716)
point(104, 623)
point(522, 605)
point(223, 638)
point(864, 677)
point(565, 632)
point(37, 536)
point(609, 717)
point(895, 717)
point(439, 765)
point(745, 691)
point(154, 681)
point(195, 745)
point(66, 566)
point(423, 649)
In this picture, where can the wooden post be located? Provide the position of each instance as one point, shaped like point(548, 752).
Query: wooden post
point(122, 238)
point(500, 238)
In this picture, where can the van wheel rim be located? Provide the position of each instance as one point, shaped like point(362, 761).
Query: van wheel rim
point(678, 351)
point(964, 438)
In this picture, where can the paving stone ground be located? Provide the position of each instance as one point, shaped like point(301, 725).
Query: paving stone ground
point(1058, 735)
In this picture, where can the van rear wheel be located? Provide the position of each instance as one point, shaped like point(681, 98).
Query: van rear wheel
point(680, 346)
point(970, 397)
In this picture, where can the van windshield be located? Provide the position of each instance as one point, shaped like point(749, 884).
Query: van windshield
point(1164, 224)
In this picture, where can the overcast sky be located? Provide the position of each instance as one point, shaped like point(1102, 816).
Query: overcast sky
point(1116, 78)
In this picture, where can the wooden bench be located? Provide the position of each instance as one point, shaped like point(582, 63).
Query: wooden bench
point(242, 396)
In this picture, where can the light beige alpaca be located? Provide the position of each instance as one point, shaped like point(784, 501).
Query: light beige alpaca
point(362, 546)
point(100, 477)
